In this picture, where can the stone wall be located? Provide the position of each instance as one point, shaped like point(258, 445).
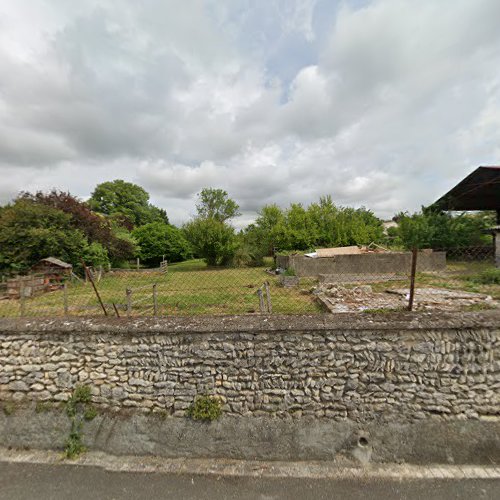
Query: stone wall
point(363, 368)
point(367, 263)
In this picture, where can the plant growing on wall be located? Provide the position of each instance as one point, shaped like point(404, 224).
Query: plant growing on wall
point(205, 408)
point(78, 409)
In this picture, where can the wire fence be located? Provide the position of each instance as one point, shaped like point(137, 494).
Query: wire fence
point(371, 281)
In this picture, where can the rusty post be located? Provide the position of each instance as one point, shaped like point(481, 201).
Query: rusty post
point(414, 255)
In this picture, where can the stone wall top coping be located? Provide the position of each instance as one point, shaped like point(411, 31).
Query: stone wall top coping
point(404, 321)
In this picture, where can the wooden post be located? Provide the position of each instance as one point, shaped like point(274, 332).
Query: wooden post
point(65, 298)
point(129, 301)
point(414, 255)
point(261, 300)
point(268, 296)
point(22, 298)
point(138, 263)
point(155, 301)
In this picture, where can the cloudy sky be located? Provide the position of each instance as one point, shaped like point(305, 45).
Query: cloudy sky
point(381, 103)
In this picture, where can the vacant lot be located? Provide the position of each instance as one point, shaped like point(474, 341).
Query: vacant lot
point(191, 288)
point(187, 288)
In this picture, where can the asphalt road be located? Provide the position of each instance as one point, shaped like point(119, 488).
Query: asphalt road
point(61, 482)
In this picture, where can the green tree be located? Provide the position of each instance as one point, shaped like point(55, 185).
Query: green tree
point(31, 231)
point(216, 204)
point(157, 239)
point(209, 233)
point(126, 199)
point(213, 240)
point(432, 228)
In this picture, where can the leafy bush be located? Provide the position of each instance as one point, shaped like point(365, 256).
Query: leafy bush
point(206, 408)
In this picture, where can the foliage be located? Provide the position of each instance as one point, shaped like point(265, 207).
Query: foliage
point(206, 408)
point(77, 408)
point(96, 255)
point(110, 234)
point(157, 239)
point(8, 408)
point(209, 234)
point(486, 277)
point(215, 204)
point(30, 232)
point(213, 240)
point(43, 406)
point(321, 224)
point(289, 272)
point(125, 199)
point(437, 229)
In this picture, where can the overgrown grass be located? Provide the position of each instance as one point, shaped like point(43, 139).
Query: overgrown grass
point(188, 288)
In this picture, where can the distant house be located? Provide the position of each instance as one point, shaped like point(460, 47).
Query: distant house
point(52, 269)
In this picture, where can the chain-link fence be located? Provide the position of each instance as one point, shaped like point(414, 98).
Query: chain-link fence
point(368, 281)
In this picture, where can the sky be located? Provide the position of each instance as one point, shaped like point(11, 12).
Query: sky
point(380, 103)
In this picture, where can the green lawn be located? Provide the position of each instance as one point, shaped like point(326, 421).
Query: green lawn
point(187, 288)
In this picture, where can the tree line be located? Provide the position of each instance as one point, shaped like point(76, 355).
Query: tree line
point(119, 223)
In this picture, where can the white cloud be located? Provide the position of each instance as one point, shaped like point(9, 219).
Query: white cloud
point(387, 105)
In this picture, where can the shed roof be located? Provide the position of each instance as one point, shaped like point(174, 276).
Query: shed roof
point(57, 262)
point(480, 190)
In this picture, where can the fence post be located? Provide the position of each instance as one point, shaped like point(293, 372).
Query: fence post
point(22, 298)
point(155, 301)
point(129, 301)
point(65, 298)
point(138, 263)
point(414, 255)
point(261, 300)
point(268, 296)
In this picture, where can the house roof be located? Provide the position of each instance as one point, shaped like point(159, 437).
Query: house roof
point(480, 190)
point(57, 262)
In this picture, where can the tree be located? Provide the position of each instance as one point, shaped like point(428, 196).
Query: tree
point(209, 234)
point(213, 240)
point(111, 235)
point(30, 232)
point(126, 199)
point(157, 239)
point(215, 204)
point(432, 228)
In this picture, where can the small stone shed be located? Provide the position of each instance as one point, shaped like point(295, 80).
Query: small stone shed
point(480, 190)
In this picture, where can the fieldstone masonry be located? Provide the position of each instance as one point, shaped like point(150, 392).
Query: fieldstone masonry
point(404, 367)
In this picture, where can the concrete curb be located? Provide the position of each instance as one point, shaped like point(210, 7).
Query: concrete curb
point(249, 468)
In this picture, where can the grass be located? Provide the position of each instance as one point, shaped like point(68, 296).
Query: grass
point(193, 288)
point(189, 288)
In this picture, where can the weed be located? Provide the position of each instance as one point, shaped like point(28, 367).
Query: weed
point(43, 406)
point(207, 408)
point(74, 445)
point(486, 277)
point(9, 408)
point(90, 413)
point(78, 408)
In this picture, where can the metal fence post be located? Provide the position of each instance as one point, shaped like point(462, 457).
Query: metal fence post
point(155, 301)
point(414, 255)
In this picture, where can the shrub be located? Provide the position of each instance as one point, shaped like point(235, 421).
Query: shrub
point(206, 408)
